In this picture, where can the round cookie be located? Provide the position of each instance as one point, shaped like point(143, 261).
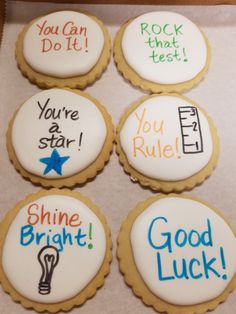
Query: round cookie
point(60, 137)
point(54, 239)
point(167, 142)
point(178, 254)
point(63, 49)
point(156, 52)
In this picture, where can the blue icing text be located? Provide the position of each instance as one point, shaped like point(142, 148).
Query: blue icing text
point(203, 265)
point(28, 236)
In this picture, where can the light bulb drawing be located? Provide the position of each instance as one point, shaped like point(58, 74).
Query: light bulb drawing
point(48, 258)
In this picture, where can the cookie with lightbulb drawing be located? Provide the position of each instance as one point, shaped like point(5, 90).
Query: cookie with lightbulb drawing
point(59, 243)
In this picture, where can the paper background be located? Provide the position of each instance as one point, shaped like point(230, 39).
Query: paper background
point(112, 189)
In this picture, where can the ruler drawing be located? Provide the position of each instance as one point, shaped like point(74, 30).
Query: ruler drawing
point(190, 130)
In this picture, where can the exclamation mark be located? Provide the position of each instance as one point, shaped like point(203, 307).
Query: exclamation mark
point(185, 58)
point(90, 245)
point(222, 256)
point(86, 44)
point(80, 140)
point(177, 147)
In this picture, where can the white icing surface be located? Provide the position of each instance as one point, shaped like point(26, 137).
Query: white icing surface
point(77, 265)
point(68, 44)
point(154, 124)
point(28, 129)
point(186, 40)
point(184, 214)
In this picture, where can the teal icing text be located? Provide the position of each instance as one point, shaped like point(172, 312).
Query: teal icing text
point(202, 265)
point(28, 236)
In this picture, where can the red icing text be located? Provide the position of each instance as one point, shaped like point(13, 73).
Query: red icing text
point(37, 214)
point(67, 37)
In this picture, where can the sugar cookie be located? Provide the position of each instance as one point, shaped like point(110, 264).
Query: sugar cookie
point(167, 142)
point(55, 250)
point(63, 49)
point(162, 52)
point(178, 254)
point(60, 137)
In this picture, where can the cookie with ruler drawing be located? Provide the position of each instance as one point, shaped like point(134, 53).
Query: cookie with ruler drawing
point(60, 137)
point(178, 254)
point(63, 49)
point(156, 52)
point(55, 250)
point(167, 142)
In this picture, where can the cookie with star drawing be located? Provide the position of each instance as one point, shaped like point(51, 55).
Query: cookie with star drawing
point(60, 137)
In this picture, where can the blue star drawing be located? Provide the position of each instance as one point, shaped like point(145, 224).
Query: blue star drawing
point(54, 162)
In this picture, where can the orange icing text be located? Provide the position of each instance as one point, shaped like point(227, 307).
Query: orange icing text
point(142, 145)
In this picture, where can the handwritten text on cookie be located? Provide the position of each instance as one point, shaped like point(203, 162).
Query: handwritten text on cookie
point(163, 41)
point(57, 115)
point(154, 128)
point(61, 228)
point(67, 37)
point(158, 137)
point(201, 263)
